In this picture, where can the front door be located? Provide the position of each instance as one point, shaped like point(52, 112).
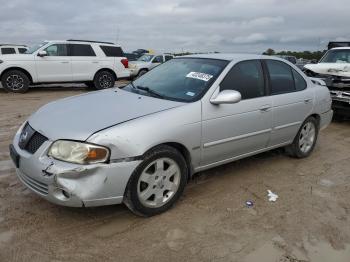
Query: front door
point(56, 66)
point(234, 130)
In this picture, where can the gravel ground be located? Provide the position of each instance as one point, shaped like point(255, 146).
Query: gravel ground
point(309, 221)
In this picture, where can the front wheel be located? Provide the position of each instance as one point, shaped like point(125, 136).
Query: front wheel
point(104, 80)
point(15, 81)
point(305, 141)
point(157, 183)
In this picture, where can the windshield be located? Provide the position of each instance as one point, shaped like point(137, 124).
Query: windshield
point(34, 48)
point(336, 56)
point(181, 79)
point(145, 58)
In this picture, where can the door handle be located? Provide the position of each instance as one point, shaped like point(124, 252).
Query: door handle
point(64, 62)
point(265, 108)
point(95, 62)
point(308, 100)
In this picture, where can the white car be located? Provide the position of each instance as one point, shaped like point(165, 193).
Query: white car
point(7, 49)
point(98, 64)
point(334, 69)
point(147, 62)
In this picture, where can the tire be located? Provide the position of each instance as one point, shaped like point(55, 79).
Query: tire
point(142, 72)
point(104, 80)
point(15, 81)
point(157, 183)
point(305, 140)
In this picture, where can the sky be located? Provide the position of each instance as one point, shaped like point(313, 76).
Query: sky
point(249, 26)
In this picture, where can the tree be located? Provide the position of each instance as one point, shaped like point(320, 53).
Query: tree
point(269, 52)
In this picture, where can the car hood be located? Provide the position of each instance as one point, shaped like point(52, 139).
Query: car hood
point(336, 69)
point(79, 117)
point(16, 57)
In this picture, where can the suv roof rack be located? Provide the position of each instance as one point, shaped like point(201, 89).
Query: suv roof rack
point(90, 41)
point(12, 45)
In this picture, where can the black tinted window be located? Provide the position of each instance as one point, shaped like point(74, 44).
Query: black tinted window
point(158, 59)
point(57, 50)
point(7, 51)
point(281, 78)
point(22, 50)
point(112, 51)
point(247, 78)
point(300, 83)
point(81, 50)
point(168, 57)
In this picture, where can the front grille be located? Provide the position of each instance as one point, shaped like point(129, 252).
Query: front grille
point(35, 142)
point(30, 140)
point(36, 186)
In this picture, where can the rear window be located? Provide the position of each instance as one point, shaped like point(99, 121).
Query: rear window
point(81, 50)
point(8, 50)
point(22, 50)
point(112, 51)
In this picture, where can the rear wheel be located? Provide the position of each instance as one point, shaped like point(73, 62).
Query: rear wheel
point(15, 81)
point(305, 141)
point(142, 72)
point(157, 183)
point(104, 80)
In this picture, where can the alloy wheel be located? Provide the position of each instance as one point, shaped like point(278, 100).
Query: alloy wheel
point(307, 137)
point(15, 82)
point(158, 182)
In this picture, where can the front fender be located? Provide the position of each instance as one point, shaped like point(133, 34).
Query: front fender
point(133, 138)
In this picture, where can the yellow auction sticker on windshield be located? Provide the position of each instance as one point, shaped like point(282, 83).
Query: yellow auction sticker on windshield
point(201, 76)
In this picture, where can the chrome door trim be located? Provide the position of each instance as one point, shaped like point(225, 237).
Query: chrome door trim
point(287, 125)
point(228, 160)
point(230, 139)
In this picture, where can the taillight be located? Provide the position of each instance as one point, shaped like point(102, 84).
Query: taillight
point(125, 62)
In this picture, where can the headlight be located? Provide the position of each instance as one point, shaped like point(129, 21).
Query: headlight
point(77, 152)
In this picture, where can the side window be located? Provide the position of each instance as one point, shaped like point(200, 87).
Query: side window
point(158, 59)
point(300, 83)
point(112, 51)
point(81, 50)
point(22, 50)
point(281, 78)
point(8, 51)
point(56, 50)
point(247, 78)
point(168, 57)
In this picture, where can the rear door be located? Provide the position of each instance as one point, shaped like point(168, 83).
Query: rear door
point(56, 66)
point(84, 62)
point(292, 101)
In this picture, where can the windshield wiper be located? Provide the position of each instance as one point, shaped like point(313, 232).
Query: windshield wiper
point(150, 91)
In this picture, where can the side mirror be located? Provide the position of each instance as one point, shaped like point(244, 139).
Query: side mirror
point(226, 97)
point(42, 53)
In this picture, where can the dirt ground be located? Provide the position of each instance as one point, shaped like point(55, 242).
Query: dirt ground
point(308, 222)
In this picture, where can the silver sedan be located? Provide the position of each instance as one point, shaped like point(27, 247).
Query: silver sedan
point(139, 145)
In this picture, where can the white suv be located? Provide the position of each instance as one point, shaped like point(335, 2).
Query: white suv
point(7, 49)
point(97, 64)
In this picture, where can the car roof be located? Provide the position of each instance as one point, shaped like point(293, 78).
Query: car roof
point(231, 57)
point(81, 42)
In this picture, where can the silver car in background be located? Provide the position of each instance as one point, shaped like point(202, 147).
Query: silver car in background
point(146, 63)
point(139, 145)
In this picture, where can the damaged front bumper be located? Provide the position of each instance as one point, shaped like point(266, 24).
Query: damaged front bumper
point(72, 184)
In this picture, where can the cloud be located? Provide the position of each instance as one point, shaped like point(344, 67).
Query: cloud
point(250, 39)
point(175, 25)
